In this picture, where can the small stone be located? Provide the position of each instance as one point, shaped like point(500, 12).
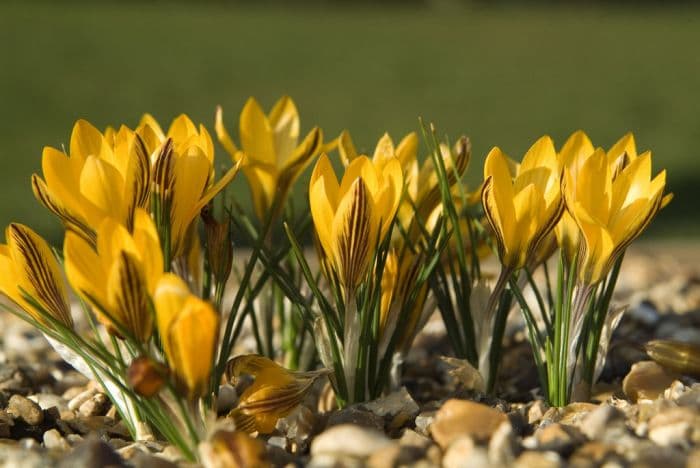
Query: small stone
point(536, 411)
point(675, 427)
point(595, 454)
point(597, 421)
point(75, 402)
point(12, 454)
point(675, 391)
point(459, 418)
point(397, 409)
point(357, 416)
point(411, 438)
point(91, 453)
point(53, 440)
point(645, 313)
point(573, 413)
point(349, 440)
point(387, 456)
point(171, 453)
point(538, 460)
point(117, 443)
point(423, 421)
point(144, 460)
point(129, 451)
point(74, 439)
point(558, 438)
point(96, 405)
point(502, 446)
point(48, 400)
point(26, 410)
point(86, 425)
point(647, 454)
point(463, 453)
point(646, 381)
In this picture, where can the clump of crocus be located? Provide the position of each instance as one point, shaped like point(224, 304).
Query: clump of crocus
point(610, 198)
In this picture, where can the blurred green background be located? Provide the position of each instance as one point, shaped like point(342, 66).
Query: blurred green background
point(502, 73)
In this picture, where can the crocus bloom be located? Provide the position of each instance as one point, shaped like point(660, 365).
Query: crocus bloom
point(271, 154)
point(576, 149)
point(522, 207)
point(275, 392)
point(183, 175)
point(406, 151)
point(189, 328)
point(119, 275)
point(27, 266)
point(100, 177)
point(351, 216)
point(611, 210)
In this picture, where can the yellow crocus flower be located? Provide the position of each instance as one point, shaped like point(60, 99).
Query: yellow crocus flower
point(183, 174)
point(27, 266)
point(119, 275)
point(271, 153)
point(398, 281)
point(522, 207)
point(351, 216)
point(611, 209)
point(406, 151)
point(189, 329)
point(576, 149)
point(99, 177)
point(274, 394)
point(423, 196)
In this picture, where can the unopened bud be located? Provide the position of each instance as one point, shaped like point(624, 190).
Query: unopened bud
point(219, 246)
point(146, 376)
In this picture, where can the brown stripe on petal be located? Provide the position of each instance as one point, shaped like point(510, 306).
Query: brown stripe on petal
point(547, 227)
point(69, 220)
point(40, 276)
point(132, 298)
point(485, 196)
point(287, 396)
point(354, 242)
point(143, 183)
point(163, 171)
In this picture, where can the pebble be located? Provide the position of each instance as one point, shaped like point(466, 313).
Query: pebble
point(76, 402)
point(96, 405)
point(463, 453)
point(25, 410)
point(423, 421)
point(53, 440)
point(48, 400)
point(397, 408)
point(595, 453)
point(91, 453)
point(349, 440)
point(675, 427)
point(558, 438)
point(502, 446)
point(538, 460)
point(358, 416)
point(459, 418)
point(646, 381)
point(595, 423)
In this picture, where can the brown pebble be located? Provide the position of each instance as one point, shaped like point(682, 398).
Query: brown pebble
point(26, 410)
point(646, 381)
point(459, 418)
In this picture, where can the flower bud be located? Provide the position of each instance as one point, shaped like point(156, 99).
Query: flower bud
point(219, 246)
point(146, 376)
